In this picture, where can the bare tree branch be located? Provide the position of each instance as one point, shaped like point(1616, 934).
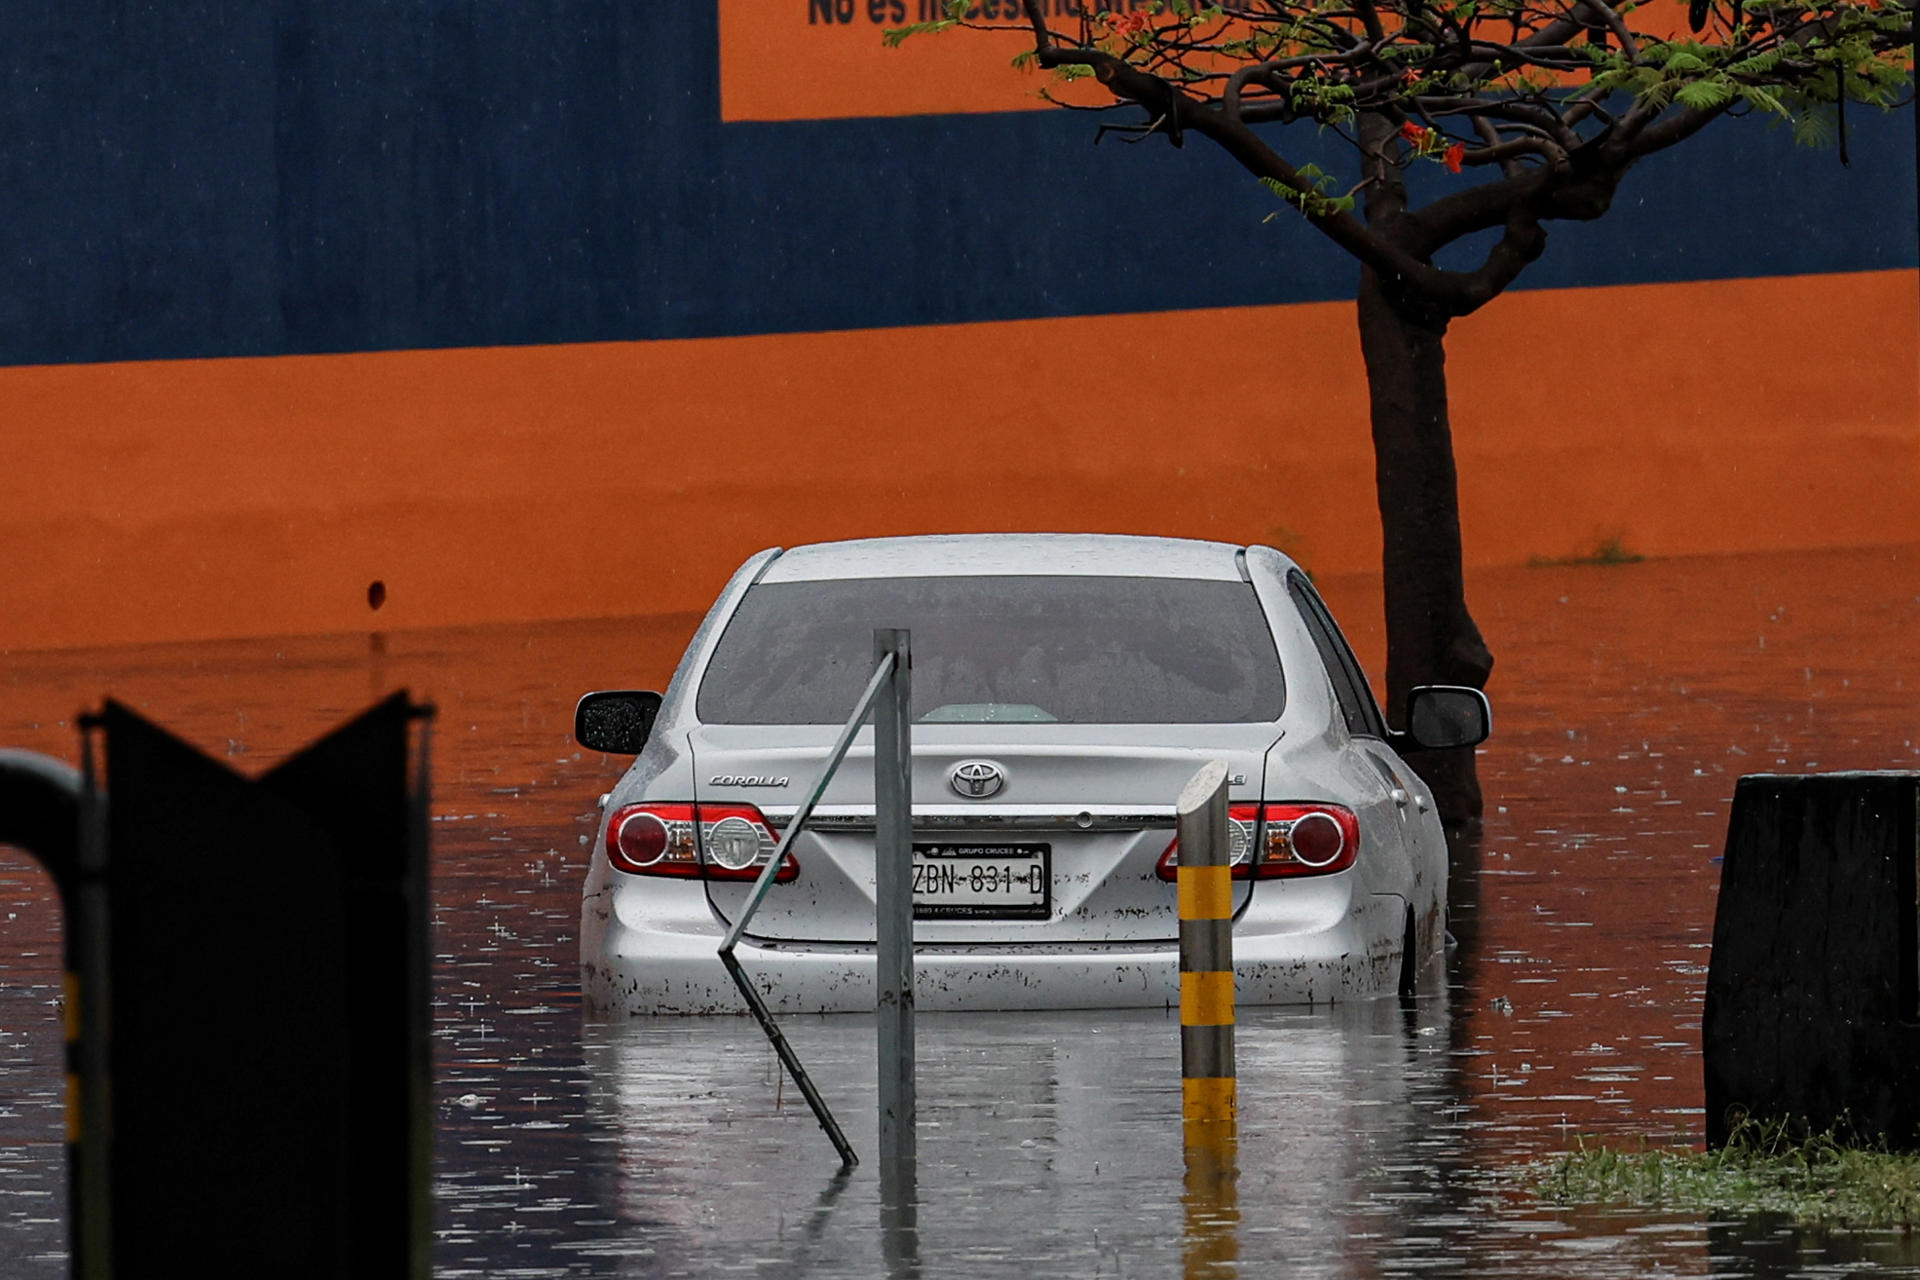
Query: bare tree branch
point(1616, 24)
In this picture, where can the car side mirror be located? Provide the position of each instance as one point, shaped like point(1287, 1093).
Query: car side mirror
point(616, 722)
point(1441, 717)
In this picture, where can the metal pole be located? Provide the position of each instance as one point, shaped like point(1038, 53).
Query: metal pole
point(1207, 1085)
point(1207, 1082)
point(93, 1212)
point(799, 820)
point(55, 813)
point(790, 1060)
point(881, 679)
point(893, 902)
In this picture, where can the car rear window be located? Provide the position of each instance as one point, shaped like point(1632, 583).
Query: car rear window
point(1075, 650)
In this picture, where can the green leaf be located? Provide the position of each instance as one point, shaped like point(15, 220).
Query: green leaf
point(1813, 129)
point(1314, 203)
point(1766, 101)
point(1759, 64)
point(1705, 95)
point(893, 37)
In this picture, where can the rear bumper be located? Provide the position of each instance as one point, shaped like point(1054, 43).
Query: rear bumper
point(678, 971)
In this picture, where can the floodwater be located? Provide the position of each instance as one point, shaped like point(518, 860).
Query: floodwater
point(1373, 1140)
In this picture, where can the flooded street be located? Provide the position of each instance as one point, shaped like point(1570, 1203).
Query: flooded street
point(1374, 1140)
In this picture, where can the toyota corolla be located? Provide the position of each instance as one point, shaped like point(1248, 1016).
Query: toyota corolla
point(1065, 688)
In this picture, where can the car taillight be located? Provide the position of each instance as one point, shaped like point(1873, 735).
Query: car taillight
point(708, 841)
point(1266, 842)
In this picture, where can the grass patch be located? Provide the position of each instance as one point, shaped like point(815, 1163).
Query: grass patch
point(1817, 1180)
point(1611, 550)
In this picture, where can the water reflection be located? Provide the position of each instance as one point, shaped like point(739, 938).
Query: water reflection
point(1774, 1247)
point(900, 1217)
point(1373, 1141)
point(1210, 1196)
point(1050, 1144)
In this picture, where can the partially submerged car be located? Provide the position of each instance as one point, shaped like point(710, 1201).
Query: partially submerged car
point(1065, 688)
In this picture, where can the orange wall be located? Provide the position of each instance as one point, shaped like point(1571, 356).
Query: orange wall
point(827, 59)
point(780, 61)
point(188, 499)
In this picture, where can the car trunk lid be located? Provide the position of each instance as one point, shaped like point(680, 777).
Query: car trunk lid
point(1062, 851)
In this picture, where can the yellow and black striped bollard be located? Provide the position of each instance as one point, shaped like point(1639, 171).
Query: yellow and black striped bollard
point(1206, 950)
point(1209, 1094)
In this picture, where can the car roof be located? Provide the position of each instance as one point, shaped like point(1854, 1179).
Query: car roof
point(1025, 554)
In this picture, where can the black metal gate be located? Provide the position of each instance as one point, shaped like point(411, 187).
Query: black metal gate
point(247, 998)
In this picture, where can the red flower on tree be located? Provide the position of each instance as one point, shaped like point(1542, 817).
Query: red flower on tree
point(1455, 154)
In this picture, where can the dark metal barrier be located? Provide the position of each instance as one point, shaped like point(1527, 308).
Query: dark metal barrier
point(247, 999)
point(1813, 996)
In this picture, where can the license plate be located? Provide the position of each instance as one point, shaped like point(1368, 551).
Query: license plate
point(982, 881)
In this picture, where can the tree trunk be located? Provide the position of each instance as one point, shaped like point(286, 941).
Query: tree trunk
point(1431, 638)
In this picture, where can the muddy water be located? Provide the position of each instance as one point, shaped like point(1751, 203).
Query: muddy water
point(1373, 1141)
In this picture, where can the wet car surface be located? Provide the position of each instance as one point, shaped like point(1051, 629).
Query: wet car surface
point(1372, 1142)
point(1065, 688)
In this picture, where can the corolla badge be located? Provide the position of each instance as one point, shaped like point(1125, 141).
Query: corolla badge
point(976, 779)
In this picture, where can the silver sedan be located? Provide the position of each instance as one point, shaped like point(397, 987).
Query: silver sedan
point(1065, 688)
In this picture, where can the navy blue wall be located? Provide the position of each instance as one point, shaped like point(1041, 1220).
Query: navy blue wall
point(248, 177)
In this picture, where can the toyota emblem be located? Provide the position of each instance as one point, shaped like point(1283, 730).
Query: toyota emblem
point(976, 779)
